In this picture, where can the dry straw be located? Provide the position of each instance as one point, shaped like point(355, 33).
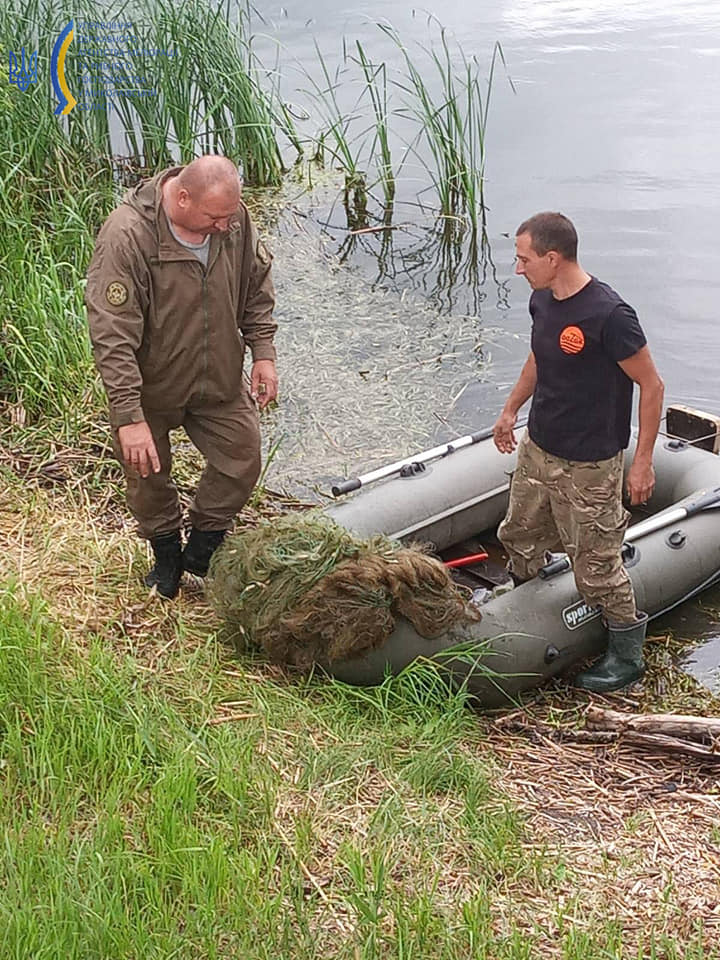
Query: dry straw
point(307, 591)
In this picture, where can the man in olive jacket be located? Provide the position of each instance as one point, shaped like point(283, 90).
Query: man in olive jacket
point(178, 285)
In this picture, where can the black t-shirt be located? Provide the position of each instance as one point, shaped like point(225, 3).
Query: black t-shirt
point(582, 403)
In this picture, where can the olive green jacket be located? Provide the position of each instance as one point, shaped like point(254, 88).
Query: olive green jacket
point(166, 332)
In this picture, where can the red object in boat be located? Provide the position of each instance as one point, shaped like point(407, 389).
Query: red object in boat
point(466, 561)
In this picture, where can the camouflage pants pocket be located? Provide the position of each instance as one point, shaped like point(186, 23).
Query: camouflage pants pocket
point(529, 531)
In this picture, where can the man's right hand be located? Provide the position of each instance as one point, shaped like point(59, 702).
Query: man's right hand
point(138, 448)
point(503, 435)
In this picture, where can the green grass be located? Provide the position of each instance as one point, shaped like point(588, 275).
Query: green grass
point(193, 806)
point(209, 96)
point(135, 827)
point(451, 121)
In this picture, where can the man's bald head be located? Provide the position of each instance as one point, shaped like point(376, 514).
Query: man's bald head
point(204, 196)
point(210, 174)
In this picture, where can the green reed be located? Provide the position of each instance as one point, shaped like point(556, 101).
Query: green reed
point(61, 176)
point(452, 123)
point(52, 199)
point(377, 88)
point(337, 136)
point(207, 96)
point(445, 100)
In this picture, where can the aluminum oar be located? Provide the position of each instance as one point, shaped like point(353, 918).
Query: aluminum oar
point(414, 464)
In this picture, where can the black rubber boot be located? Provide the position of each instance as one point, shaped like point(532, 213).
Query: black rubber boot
point(201, 545)
point(165, 575)
point(623, 663)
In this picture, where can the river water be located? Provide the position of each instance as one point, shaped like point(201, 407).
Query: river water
point(613, 119)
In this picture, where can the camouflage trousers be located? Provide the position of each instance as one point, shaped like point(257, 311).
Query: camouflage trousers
point(577, 507)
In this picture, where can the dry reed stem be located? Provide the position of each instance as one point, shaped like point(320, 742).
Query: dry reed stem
point(637, 830)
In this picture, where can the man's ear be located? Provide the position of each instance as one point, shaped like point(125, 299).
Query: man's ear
point(553, 258)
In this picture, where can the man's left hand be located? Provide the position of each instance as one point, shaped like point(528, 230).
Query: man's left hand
point(263, 382)
point(640, 482)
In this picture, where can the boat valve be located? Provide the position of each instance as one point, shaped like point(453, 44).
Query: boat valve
point(554, 568)
point(551, 653)
point(412, 469)
point(676, 540)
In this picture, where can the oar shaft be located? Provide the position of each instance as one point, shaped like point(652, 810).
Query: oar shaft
point(710, 498)
point(346, 486)
point(652, 524)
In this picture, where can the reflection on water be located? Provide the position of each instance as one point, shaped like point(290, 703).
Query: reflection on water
point(704, 663)
point(451, 266)
point(563, 16)
point(698, 619)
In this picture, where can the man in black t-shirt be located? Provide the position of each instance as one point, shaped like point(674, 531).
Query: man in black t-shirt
point(587, 350)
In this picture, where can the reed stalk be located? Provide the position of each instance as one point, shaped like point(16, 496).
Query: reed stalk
point(377, 88)
point(452, 124)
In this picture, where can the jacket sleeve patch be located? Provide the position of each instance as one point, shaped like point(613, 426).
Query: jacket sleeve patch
point(262, 253)
point(116, 293)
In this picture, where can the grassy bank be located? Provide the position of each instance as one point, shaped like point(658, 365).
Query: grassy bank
point(225, 813)
point(160, 797)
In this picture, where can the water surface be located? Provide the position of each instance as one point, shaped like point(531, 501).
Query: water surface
point(614, 121)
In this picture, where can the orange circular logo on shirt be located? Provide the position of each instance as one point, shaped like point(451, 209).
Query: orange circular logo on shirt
point(572, 340)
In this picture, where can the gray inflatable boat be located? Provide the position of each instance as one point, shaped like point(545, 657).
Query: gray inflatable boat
point(537, 630)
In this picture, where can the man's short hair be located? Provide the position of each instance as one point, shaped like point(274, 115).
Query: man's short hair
point(551, 231)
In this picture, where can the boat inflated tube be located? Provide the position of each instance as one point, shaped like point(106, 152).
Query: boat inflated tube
point(415, 463)
point(542, 627)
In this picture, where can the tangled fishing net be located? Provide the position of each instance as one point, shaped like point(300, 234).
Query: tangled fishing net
point(305, 590)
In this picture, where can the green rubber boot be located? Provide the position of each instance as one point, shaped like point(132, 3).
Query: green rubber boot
point(623, 663)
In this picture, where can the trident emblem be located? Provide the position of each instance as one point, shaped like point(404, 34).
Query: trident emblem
point(23, 75)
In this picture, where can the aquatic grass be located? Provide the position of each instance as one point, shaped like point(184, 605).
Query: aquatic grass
point(377, 87)
point(207, 92)
point(213, 94)
point(450, 129)
point(453, 126)
point(336, 137)
point(207, 96)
